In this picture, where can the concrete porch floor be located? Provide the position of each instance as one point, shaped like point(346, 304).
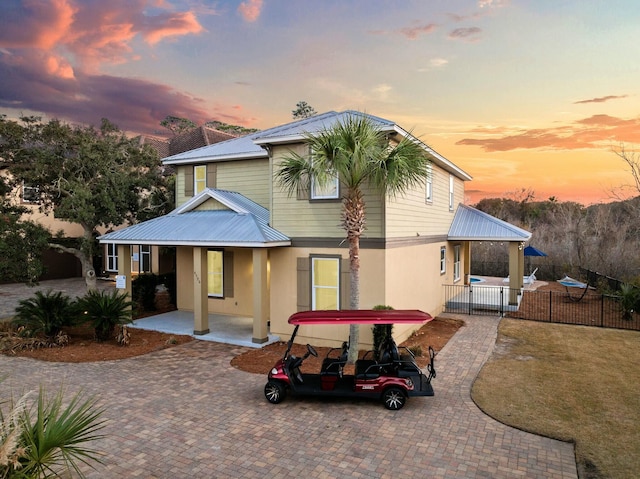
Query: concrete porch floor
point(223, 329)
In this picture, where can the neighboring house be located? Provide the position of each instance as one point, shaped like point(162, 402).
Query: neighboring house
point(245, 247)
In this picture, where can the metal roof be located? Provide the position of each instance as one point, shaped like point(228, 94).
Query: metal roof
point(471, 224)
point(251, 146)
point(243, 223)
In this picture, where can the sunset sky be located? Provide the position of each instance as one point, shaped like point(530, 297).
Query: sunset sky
point(519, 93)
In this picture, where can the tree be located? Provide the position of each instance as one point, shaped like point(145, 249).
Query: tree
point(177, 125)
point(632, 159)
point(303, 110)
point(91, 177)
point(360, 154)
point(22, 242)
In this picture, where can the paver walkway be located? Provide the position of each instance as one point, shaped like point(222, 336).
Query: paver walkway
point(185, 412)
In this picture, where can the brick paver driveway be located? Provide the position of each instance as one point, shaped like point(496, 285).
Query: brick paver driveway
point(186, 413)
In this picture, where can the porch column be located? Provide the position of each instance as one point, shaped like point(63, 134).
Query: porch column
point(260, 295)
point(124, 267)
point(466, 251)
point(516, 272)
point(200, 291)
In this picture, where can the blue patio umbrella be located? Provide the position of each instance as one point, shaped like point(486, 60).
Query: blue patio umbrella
point(531, 251)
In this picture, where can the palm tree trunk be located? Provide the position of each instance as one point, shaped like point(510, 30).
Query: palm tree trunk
point(353, 221)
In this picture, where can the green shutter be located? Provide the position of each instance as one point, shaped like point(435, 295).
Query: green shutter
point(345, 284)
point(188, 180)
point(212, 171)
point(227, 272)
point(304, 284)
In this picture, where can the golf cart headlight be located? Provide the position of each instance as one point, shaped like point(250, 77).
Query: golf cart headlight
point(408, 382)
point(273, 371)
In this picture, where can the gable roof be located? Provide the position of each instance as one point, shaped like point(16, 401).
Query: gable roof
point(243, 223)
point(255, 145)
point(470, 224)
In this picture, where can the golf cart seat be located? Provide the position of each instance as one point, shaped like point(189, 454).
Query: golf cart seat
point(334, 366)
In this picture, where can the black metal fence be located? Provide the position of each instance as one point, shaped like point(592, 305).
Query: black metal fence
point(590, 309)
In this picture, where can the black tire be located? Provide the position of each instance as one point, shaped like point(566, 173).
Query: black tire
point(275, 392)
point(394, 398)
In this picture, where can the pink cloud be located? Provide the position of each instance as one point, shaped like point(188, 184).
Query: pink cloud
point(171, 25)
point(250, 10)
point(589, 132)
point(35, 24)
point(413, 32)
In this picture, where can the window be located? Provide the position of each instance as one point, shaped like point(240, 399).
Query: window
point(456, 263)
point(215, 268)
point(443, 260)
point(325, 283)
point(429, 193)
point(30, 194)
point(112, 257)
point(450, 192)
point(328, 191)
point(141, 258)
point(199, 178)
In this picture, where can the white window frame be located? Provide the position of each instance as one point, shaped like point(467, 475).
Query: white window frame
point(429, 190)
point(331, 191)
point(145, 258)
point(456, 263)
point(199, 184)
point(315, 287)
point(450, 192)
point(443, 259)
point(212, 274)
point(112, 257)
point(33, 196)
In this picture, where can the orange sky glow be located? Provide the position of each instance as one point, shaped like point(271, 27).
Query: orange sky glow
point(522, 94)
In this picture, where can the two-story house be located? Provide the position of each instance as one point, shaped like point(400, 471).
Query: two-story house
point(245, 247)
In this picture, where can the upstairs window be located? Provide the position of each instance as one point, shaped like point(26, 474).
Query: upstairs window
point(30, 194)
point(199, 178)
point(450, 192)
point(429, 192)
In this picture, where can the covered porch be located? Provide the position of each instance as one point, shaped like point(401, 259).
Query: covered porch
point(236, 330)
point(222, 240)
point(472, 225)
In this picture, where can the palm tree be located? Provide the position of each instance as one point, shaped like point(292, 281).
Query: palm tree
point(358, 151)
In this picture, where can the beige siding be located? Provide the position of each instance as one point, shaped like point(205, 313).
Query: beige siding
point(180, 196)
point(248, 177)
point(410, 215)
point(303, 218)
point(241, 304)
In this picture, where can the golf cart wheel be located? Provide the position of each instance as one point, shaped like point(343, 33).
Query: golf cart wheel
point(394, 399)
point(275, 392)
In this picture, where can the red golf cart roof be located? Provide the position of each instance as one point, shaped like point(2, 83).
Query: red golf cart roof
point(360, 316)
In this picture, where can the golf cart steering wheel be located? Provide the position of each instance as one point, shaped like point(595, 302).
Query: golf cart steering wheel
point(312, 351)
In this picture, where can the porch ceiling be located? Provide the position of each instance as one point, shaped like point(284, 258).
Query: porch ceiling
point(470, 224)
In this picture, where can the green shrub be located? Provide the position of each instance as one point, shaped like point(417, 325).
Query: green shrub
point(46, 314)
point(380, 331)
point(104, 311)
point(143, 291)
point(629, 300)
point(50, 441)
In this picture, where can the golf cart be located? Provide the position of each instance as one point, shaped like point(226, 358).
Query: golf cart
point(390, 374)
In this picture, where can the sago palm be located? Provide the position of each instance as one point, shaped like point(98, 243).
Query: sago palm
point(360, 154)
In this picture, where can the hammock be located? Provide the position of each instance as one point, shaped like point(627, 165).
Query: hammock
point(568, 282)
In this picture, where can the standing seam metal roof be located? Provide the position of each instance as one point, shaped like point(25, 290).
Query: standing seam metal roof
point(245, 223)
point(475, 225)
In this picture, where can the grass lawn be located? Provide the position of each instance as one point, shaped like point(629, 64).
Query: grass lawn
point(571, 383)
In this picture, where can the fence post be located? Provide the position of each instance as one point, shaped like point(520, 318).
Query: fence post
point(470, 299)
point(550, 306)
point(501, 301)
point(601, 310)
